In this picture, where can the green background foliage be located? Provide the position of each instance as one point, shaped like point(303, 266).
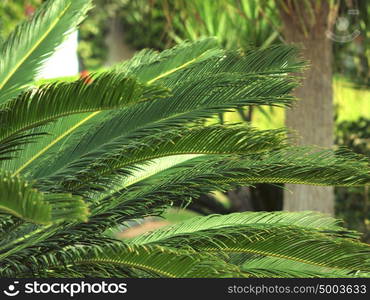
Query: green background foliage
point(140, 140)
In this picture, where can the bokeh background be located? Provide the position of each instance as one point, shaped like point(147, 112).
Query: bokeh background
point(334, 37)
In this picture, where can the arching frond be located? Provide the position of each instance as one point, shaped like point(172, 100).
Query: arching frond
point(151, 190)
point(154, 260)
point(138, 160)
point(23, 53)
point(150, 66)
point(193, 99)
point(18, 198)
point(305, 165)
point(190, 177)
point(310, 220)
point(280, 241)
point(211, 140)
point(32, 154)
point(264, 266)
point(49, 102)
point(206, 58)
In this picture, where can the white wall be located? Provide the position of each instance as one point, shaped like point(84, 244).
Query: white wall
point(64, 62)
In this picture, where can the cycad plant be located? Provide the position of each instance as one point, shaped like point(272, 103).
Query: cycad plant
point(79, 158)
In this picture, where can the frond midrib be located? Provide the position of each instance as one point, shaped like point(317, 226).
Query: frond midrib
point(252, 180)
point(53, 142)
point(16, 214)
point(265, 253)
point(52, 118)
point(42, 151)
point(165, 154)
point(126, 263)
point(29, 53)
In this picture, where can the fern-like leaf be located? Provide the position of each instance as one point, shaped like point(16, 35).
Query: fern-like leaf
point(25, 50)
point(18, 198)
point(154, 260)
point(52, 101)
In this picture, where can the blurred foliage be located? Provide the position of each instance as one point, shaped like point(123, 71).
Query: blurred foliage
point(350, 103)
point(159, 24)
point(92, 32)
point(12, 12)
point(144, 24)
point(176, 215)
point(352, 58)
point(236, 23)
point(352, 204)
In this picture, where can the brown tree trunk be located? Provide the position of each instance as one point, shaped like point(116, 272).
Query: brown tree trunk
point(118, 50)
point(312, 116)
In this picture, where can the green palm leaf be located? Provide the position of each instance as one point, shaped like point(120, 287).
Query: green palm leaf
point(206, 57)
point(289, 242)
point(178, 180)
point(18, 198)
point(204, 173)
point(310, 220)
point(154, 260)
point(49, 102)
point(67, 127)
point(35, 41)
point(265, 266)
point(305, 165)
point(139, 157)
point(150, 66)
point(231, 82)
point(211, 140)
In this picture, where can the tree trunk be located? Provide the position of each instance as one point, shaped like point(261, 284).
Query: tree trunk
point(118, 50)
point(312, 116)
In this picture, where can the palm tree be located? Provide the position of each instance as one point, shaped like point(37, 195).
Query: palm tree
point(80, 157)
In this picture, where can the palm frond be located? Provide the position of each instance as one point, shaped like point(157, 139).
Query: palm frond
point(138, 160)
point(205, 173)
point(150, 66)
point(306, 165)
point(150, 190)
point(19, 199)
point(193, 99)
point(265, 266)
point(154, 260)
point(309, 220)
point(301, 165)
point(211, 140)
point(8, 225)
point(165, 186)
point(31, 154)
point(206, 58)
point(280, 241)
point(49, 102)
point(23, 53)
